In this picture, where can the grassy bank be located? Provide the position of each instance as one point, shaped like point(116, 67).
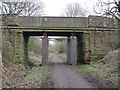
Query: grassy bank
point(17, 76)
point(104, 70)
point(34, 76)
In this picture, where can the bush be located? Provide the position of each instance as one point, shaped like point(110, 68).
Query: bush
point(35, 45)
point(7, 50)
point(60, 47)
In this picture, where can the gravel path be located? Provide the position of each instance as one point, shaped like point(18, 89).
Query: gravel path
point(64, 76)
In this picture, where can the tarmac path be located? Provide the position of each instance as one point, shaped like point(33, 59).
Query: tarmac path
point(64, 76)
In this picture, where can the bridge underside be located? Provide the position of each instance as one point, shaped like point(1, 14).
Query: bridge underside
point(40, 33)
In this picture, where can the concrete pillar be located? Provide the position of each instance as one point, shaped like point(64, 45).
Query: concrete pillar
point(72, 50)
point(45, 49)
point(68, 50)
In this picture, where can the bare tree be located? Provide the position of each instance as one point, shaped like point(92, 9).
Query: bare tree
point(110, 8)
point(33, 8)
point(26, 8)
point(74, 10)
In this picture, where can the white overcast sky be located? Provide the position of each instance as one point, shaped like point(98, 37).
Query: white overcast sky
point(56, 7)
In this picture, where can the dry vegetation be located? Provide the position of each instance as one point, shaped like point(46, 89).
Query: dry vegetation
point(104, 70)
point(16, 76)
point(107, 69)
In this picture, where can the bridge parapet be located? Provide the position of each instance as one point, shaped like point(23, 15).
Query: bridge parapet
point(66, 22)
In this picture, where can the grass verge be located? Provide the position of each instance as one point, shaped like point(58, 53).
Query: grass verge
point(86, 69)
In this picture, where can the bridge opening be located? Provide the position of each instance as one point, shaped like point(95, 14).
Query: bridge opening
point(57, 49)
point(74, 43)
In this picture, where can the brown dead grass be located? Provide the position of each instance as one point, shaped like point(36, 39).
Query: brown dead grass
point(11, 75)
point(16, 76)
point(106, 69)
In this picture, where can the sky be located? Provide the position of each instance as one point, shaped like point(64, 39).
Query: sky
point(56, 7)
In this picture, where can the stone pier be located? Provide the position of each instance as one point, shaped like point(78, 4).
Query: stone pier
point(18, 47)
point(45, 49)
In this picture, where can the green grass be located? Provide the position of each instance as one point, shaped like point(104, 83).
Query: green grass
point(86, 69)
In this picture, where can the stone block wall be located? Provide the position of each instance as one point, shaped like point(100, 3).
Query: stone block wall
point(100, 42)
point(102, 22)
point(10, 20)
point(18, 56)
point(86, 39)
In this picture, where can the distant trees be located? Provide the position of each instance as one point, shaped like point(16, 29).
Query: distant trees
point(60, 47)
point(24, 8)
point(35, 45)
point(74, 10)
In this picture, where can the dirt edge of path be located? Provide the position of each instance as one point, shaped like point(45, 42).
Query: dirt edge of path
point(47, 82)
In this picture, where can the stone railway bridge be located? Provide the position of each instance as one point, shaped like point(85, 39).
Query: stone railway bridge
point(87, 36)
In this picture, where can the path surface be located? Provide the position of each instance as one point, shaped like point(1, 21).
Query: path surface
point(64, 76)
